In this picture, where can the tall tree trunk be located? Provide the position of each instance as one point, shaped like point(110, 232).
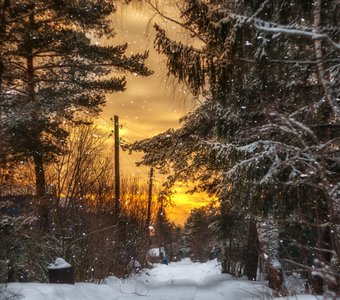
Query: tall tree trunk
point(224, 258)
point(37, 151)
point(229, 252)
point(43, 204)
point(3, 26)
point(319, 60)
point(323, 209)
point(1, 73)
point(324, 243)
point(40, 182)
point(252, 250)
point(268, 235)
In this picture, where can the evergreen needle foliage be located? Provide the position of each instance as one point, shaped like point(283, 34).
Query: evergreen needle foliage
point(53, 73)
point(265, 140)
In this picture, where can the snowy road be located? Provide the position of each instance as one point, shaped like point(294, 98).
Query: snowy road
point(186, 280)
point(177, 281)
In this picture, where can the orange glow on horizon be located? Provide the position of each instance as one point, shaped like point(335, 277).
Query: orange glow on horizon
point(184, 203)
point(149, 105)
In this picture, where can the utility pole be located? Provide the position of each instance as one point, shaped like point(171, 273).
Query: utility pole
point(150, 198)
point(162, 242)
point(117, 174)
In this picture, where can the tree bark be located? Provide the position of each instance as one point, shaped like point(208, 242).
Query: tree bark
point(3, 26)
point(325, 244)
point(43, 205)
point(323, 209)
point(252, 250)
point(40, 182)
point(224, 258)
point(319, 60)
point(37, 151)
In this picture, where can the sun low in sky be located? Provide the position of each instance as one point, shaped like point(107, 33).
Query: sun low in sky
point(149, 105)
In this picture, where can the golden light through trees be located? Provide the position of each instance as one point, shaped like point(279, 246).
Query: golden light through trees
point(149, 105)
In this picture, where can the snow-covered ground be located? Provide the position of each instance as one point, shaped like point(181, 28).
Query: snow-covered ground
point(183, 280)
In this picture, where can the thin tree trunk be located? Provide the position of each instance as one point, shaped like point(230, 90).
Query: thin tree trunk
point(252, 250)
point(319, 60)
point(324, 232)
point(43, 204)
point(324, 243)
point(3, 26)
point(224, 258)
point(40, 182)
point(1, 72)
point(230, 251)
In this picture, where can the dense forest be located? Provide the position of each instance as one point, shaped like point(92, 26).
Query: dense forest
point(265, 137)
point(262, 141)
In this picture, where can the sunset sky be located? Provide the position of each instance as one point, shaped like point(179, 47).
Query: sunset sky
point(149, 105)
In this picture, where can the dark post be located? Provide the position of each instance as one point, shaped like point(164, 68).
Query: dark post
point(117, 175)
point(150, 198)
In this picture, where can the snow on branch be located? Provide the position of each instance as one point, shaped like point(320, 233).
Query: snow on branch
point(268, 159)
point(297, 32)
point(273, 27)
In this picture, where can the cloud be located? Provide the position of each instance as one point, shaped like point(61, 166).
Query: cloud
point(149, 105)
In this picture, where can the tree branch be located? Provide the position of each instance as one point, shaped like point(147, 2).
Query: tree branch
point(298, 32)
point(319, 58)
point(155, 8)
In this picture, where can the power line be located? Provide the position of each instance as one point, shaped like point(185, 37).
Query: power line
point(135, 131)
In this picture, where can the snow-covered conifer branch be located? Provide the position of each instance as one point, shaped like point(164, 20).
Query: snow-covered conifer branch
point(273, 27)
point(295, 32)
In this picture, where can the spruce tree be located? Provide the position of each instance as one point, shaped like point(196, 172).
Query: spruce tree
point(198, 235)
point(265, 138)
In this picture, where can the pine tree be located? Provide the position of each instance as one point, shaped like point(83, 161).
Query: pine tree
point(198, 235)
point(54, 73)
point(163, 236)
point(264, 139)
